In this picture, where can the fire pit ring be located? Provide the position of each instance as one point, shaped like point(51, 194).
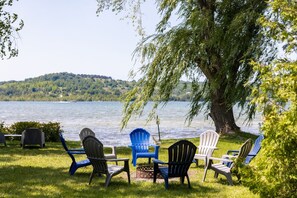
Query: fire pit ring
point(146, 171)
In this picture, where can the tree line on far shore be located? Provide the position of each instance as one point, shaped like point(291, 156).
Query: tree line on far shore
point(76, 87)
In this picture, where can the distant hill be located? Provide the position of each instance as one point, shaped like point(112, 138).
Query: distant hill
point(73, 87)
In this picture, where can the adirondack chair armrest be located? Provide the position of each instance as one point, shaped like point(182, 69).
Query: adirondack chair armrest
point(113, 148)
point(252, 154)
point(228, 156)
point(232, 152)
point(220, 159)
point(158, 161)
point(73, 152)
point(77, 149)
point(210, 147)
point(154, 145)
point(118, 160)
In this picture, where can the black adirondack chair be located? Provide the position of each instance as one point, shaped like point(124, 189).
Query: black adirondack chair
point(33, 136)
point(88, 132)
point(94, 150)
point(180, 157)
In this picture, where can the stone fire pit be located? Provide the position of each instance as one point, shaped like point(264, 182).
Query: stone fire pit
point(146, 171)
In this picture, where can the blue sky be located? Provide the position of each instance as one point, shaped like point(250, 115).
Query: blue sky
point(68, 36)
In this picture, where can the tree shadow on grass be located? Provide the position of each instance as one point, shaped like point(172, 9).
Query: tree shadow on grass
point(27, 181)
point(16, 149)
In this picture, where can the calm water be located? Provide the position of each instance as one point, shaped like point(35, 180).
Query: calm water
point(104, 118)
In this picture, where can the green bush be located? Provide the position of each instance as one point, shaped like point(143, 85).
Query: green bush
point(273, 173)
point(19, 127)
point(51, 130)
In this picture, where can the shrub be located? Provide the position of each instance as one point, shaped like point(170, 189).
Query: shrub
point(51, 130)
point(273, 172)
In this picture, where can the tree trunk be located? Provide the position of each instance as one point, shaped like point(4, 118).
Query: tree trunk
point(222, 114)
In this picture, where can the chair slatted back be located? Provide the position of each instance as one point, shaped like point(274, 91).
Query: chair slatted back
point(32, 135)
point(257, 145)
point(85, 132)
point(63, 142)
point(140, 140)
point(94, 151)
point(255, 150)
point(180, 157)
point(207, 138)
point(65, 146)
point(244, 150)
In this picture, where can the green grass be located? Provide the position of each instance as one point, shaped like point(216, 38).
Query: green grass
point(43, 172)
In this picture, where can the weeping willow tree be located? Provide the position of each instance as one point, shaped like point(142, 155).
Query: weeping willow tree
point(9, 28)
point(213, 40)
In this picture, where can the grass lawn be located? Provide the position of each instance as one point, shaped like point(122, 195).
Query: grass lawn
point(34, 172)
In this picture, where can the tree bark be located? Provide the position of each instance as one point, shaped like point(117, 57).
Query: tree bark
point(222, 114)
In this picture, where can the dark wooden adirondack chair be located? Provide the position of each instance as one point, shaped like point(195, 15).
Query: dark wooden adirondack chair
point(71, 152)
point(222, 168)
point(88, 132)
point(255, 150)
point(140, 145)
point(94, 150)
point(180, 157)
point(33, 136)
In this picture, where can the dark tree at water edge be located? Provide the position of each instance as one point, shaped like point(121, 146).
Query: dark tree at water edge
point(213, 39)
point(9, 28)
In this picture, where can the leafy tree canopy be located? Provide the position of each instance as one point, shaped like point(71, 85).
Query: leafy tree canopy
point(9, 28)
point(213, 39)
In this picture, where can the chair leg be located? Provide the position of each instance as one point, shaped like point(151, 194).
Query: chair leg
point(196, 161)
point(107, 180)
point(166, 182)
point(134, 161)
point(156, 169)
point(127, 169)
point(128, 175)
point(216, 175)
point(189, 184)
point(182, 179)
point(72, 168)
point(229, 178)
point(149, 160)
point(91, 177)
point(205, 172)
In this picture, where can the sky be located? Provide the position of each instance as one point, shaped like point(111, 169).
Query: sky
point(68, 36)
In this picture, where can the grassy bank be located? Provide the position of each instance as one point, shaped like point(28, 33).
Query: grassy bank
point(43, 172)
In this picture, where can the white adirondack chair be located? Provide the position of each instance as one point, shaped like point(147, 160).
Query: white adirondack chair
point(208, 143)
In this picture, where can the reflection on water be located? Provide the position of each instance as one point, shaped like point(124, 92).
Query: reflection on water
point(104, 118)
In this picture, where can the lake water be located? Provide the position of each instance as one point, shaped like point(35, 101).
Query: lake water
point(104, 118)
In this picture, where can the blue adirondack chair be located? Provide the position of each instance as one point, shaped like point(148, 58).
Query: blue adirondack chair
point(140, 145)
point(180, 157)
point(255, 150)
point(71, 152)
